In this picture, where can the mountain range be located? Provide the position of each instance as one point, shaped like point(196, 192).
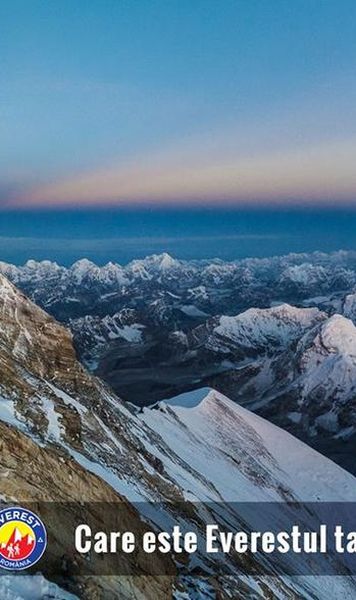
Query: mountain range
point(66, 436)
point(275, 335)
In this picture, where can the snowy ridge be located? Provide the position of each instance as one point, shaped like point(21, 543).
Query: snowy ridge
point(215, 433)
point(279, 325)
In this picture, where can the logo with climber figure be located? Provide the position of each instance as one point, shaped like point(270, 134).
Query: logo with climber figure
point(23, 538)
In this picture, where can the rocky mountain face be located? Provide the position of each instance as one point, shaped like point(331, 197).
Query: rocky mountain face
point(40, 419)
point(66, 436)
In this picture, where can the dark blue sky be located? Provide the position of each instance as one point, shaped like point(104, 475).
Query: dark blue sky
point(121, 235)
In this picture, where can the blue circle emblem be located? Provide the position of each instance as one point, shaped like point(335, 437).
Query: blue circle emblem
point(23, 538)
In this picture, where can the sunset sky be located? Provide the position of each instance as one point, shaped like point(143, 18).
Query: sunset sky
point(177, 102)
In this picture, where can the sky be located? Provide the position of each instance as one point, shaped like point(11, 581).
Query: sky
point(174, 102)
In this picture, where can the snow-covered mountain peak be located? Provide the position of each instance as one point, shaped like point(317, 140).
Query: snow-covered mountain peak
point(35, 271)
point(81, 268)
point(47, 264)
point(155, 263)
point(338, 335)
point(305, 273)
point(166, 261)
point(327, 366)
point(278, 325)
point(114, 274)
point(83, 264)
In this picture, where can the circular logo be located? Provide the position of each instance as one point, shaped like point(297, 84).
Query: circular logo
point(23, 538)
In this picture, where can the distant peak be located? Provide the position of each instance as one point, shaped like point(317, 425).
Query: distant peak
point(168, 260)
point(164, 260)
point(83, 263)
point(112, 265)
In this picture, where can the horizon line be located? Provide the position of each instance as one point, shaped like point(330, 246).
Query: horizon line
point(234, 205)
